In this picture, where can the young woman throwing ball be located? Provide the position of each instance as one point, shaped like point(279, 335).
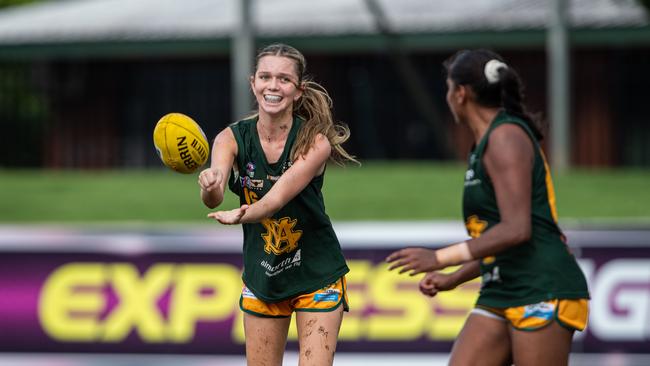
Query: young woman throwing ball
point(275, 162)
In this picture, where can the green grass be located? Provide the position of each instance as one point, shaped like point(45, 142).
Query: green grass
point(404, 191)
point(375, 191)
point(608, 194)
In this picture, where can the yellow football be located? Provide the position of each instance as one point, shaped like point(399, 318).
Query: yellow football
point(181, 143)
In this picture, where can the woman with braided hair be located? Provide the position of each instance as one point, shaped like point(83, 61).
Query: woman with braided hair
point(292, 258)
point(533, 294)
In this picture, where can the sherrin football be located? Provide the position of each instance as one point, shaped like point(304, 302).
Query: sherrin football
point(180, 142)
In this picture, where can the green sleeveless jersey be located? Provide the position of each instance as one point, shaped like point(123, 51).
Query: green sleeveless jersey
point(296, 251)
point(542, 268)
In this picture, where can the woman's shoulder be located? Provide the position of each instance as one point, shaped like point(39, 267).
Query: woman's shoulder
point(514, 122)
point(244, 122)
point(508, 131)
point(226, 137)
point(509, 143)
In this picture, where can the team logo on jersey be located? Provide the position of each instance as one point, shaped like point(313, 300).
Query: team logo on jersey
point(491, 276)
point(249, 183)
point(274, 178)
point(250, 169)
point(280, 236)
point(286, 165)
point(470, 178)
point(489, 260)
point(475, 226)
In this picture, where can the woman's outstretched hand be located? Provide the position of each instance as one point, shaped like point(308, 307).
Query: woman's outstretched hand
point(416, 260)
point(232, 217)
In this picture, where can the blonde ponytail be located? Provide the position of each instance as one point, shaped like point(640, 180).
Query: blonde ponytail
point(315, 107)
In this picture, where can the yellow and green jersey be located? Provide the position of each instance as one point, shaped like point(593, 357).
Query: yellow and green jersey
point(296, 251)
point(540, 269)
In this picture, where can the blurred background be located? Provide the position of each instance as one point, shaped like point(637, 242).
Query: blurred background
point(107, 257)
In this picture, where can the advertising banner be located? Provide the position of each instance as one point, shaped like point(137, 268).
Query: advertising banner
point(97, 295)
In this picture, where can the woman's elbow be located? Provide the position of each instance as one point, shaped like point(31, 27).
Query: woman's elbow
point(520, 233)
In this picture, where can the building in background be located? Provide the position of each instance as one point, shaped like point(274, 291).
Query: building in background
point(83, 82)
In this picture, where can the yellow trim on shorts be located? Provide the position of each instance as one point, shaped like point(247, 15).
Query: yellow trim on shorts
point(326, 299)
point(569, 313)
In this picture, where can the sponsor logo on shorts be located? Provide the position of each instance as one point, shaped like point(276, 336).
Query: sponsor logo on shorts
point(328, 296)
point(543, 310)
point(248, 294)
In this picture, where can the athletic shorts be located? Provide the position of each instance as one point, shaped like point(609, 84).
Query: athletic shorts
point(327, 299)
point(569, 313)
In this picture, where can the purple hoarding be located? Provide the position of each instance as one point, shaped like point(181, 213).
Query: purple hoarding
point(175, 294)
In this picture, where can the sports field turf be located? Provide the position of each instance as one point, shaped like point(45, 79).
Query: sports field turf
point(375, 191)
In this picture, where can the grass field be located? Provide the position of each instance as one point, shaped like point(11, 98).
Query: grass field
point(375, 191)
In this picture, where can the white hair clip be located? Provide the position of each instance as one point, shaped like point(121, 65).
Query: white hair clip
point(492, 70)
